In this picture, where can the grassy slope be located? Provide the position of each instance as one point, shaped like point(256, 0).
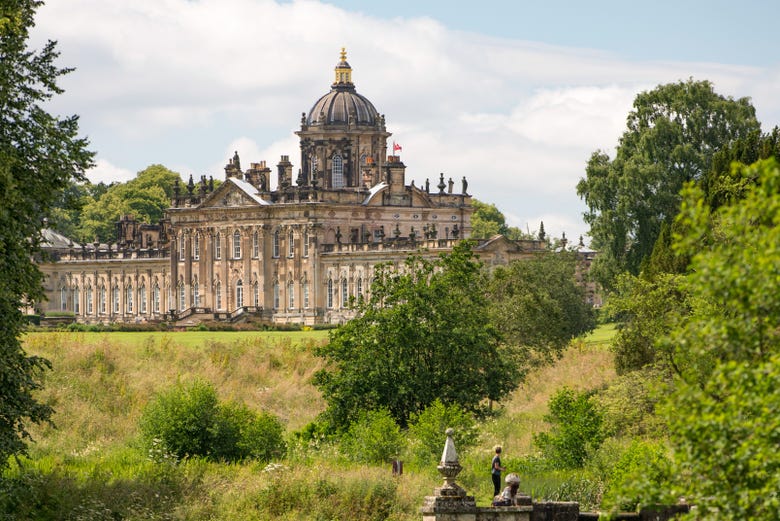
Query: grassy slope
point(101, 382)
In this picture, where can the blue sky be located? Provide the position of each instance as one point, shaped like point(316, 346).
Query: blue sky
point(515, 96)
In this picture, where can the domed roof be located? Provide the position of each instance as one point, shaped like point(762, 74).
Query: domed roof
point(336, 107)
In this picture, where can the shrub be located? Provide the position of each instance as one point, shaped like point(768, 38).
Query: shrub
point(189, 421)
point(373, 438)
point(576, 429)
point(426, 430)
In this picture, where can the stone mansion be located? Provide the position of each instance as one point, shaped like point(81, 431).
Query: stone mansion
point(294, 254)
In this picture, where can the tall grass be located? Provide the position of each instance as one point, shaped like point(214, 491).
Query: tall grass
point(92, 465)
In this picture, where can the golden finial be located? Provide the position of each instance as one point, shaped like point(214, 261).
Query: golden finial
point(343, 54)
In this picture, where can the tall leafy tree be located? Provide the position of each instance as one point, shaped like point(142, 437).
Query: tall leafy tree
point(671, 136)
point(538, 306)
point(39, 154)
point(146, 198)
point(423, 334)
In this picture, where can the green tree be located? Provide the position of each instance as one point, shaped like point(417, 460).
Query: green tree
point(575, 421)
point(487, 220)
point(422, 334)
point(671, 136)
point(647, 310)
point(725, 443)
point(538, 306)
point(146, 198)
point(39, 155)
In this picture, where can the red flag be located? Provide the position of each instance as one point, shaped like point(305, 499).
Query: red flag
point(396, 148)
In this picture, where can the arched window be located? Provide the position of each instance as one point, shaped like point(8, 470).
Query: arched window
point(290, 295)
point(196, 247)
point(306, 295)
point(276, 295)
point(276, 244)
point(63, 299)
point(115, 299)
point(182, 296)
point(255, 245)
point(195, 293)
point(102, 300)
point(142, 299)
point(305, 241)
point(129, 299)
point(156, 298)
point(218, 295)
point(76, 300)
point(338, 172)
point(236, 245)
point(218, 246)
point(239, 294)
point(330, 293)
point(359, 288)
point(89, 300)
point(291, 244)
point(344, 293)
point(256, 294)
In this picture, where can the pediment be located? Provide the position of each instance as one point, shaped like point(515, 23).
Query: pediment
point(233, 193)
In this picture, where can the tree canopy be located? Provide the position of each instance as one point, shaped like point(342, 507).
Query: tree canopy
point(422, 334)
point(39, 154)
point(487, 221)
point(672, 134)
point(146, 197)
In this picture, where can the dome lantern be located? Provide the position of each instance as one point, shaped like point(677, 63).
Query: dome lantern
point(343, 70)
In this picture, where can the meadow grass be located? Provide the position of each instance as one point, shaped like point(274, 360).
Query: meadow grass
point(92, 465)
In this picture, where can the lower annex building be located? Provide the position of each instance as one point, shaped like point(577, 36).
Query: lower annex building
point(294, 254)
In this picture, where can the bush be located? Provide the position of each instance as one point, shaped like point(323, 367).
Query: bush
point(576, 429)
point(426, 431)
point(189, 421)
point(373, 438)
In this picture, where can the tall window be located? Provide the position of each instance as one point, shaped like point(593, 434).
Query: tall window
point(236, 245)
point(276, 295)
point(182, 296)
point(218, 295)
point(76, 300)
point(63, 299)
point(102, 300)
point(290, 295)
point(156, 298)
point(256, 294)
point(181, 247)
point(255, 245)
point(239, 294)
point(115, 298)
point(305, 241)
point(344, 293)
point(195, 293)
point(218, 246)
point(142, 299)
point(359, 288)
point(276, 244)
point(290, 244)
point(129, 299)
point(306, 295)
point(338, 172)
point(330, 293)
point(196, 246)
point(89, 300)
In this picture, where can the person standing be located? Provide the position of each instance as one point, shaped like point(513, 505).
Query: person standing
point(495, 471)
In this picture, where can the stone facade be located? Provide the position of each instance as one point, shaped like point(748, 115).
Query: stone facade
point(294, 254)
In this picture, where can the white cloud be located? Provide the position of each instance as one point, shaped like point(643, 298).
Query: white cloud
point(186, 83)
point(105, 172)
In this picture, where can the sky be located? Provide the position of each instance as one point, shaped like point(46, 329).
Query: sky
point(513, 95)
